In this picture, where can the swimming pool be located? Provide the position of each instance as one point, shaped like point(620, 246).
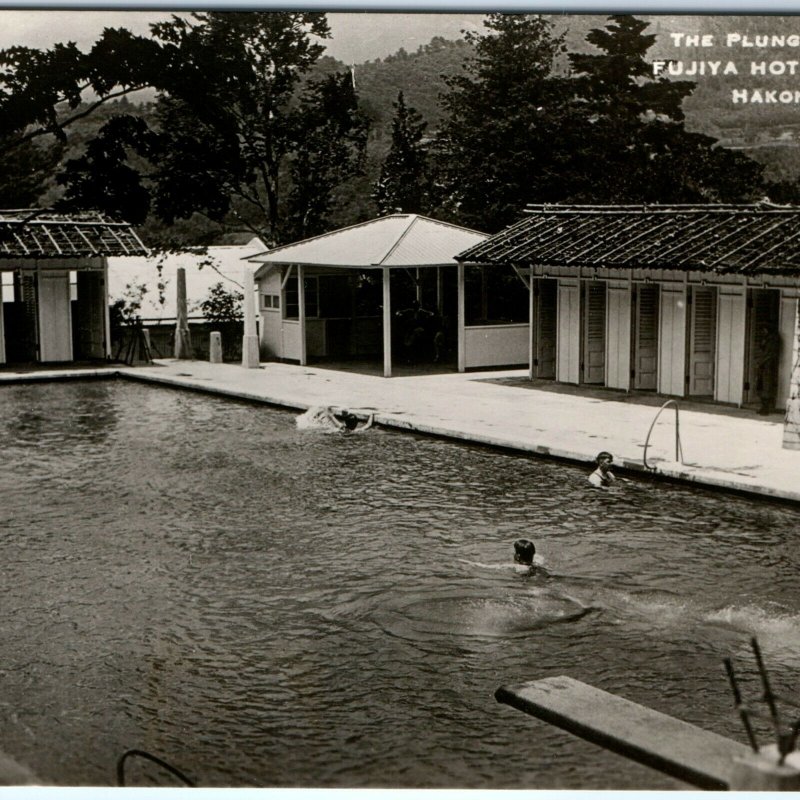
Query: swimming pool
point(263, 606)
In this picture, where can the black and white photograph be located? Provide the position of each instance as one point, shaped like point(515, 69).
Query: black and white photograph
point(400, 400)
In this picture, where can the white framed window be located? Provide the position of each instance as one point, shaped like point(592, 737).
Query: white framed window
point(270, 301)
point(8, 287)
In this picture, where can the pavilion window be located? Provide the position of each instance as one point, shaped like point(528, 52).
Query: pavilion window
point(494, 296)
point(291, 303)
point(335, 296)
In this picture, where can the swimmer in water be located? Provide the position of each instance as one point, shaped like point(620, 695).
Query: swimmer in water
point(603, 477)
point(351, 422)
point(340, 419)
point(524, 551)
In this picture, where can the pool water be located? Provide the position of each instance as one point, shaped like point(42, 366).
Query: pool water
point(266, 606)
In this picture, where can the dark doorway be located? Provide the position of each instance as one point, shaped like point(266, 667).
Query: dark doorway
point(545, 322)
point(593, 344)
point(762, 346)
point(645, 337)
point(20, 323)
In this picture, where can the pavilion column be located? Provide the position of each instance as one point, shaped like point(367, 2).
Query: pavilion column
point(462, 344)
point(531, 309)
point(387, 323)
point(250, 349)
point(791, 426)
point(107, 312)
point(301, 300)
point(183, 339)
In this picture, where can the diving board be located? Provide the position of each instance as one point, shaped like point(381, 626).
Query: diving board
point(677, 748)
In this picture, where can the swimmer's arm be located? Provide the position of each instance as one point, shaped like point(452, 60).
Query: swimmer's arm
point(368, 423)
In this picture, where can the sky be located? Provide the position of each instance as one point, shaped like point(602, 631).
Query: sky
point(356, 36)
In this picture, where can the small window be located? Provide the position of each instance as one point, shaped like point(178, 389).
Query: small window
point(270, 301)
point(73, 284)
point(8, 287)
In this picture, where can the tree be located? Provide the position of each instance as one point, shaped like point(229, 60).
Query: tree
point(403, 182)
point(241, 135)
point(499, 144)
point(222, 306)
point(522, 130)
point(634, 145)
point(25, 173)
point(42, 91)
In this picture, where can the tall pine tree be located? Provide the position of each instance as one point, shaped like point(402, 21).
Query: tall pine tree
point(403, 185)
point(500, 144)
point(634, 145)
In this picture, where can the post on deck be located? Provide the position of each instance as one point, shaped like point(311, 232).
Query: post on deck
point(183, 342)
point(791, 426)
point(250, 350)
point(107, 312)
point(387, 323)
point(462, 344)
point(301, 300)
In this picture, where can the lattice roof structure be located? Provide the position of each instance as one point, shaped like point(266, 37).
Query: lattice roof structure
point(744, 239)
point(40, 233)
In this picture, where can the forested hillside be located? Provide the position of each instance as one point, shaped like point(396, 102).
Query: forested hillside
point(770, 133)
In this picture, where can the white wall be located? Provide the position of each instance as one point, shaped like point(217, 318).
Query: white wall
point(568, 346)
point(672, 341)
point(618, 335)
point(731, 310)
point(788, 309)
point(290, 347)
point(55, 316)
point(270, 330)
point(496, 345)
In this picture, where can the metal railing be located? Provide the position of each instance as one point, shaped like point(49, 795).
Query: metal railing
point(678, 446)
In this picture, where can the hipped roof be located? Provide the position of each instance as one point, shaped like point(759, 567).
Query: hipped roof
point(397, 240)
point(38, 233)
point(745, 239)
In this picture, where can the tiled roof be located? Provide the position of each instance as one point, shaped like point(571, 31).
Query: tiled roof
point(33, 233)
point(397, 240)
point(742, 239)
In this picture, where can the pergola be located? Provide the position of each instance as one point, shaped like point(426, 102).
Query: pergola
point(395, 242)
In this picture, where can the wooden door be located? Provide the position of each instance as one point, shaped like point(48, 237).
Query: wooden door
point(594, 332)
point(731, 329)
point(55, 316)
point(568, 340)
point(21, 327)
point(702, 341)
point(618, 336)
point(546, 310)
point(90, 315)
point(645, 353)
point(763, 309)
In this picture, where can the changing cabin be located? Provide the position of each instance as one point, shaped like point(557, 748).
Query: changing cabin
point(54, 270)
point(678, 300)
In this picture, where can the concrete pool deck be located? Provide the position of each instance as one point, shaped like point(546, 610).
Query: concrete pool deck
point(723, 448)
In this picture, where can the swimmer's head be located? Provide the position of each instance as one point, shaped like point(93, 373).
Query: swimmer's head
point(524, 551)
point(604, 461)
point(350, 420)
